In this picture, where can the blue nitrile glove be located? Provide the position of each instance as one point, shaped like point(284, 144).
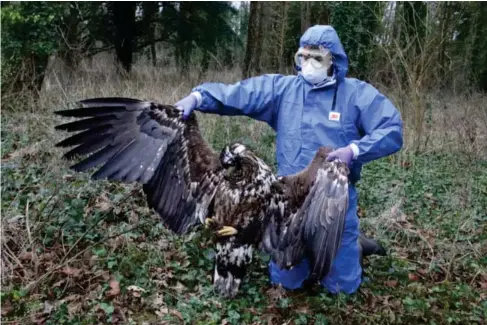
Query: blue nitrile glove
point(344, 154)
point(187, 104)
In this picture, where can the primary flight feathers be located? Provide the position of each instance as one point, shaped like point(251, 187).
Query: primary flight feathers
point(233, 192)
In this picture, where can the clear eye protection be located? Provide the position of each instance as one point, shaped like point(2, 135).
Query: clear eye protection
point(318, 58)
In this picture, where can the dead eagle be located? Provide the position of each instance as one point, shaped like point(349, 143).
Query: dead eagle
point(234, 192)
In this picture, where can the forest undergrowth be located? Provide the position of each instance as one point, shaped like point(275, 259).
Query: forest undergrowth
point(75, 251)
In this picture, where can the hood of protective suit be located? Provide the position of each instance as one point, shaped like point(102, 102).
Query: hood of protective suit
point(327, 36)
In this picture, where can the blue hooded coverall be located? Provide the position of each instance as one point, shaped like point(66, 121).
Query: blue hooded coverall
point(299, 112)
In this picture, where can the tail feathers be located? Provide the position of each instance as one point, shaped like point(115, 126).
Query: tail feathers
point(230, 267)
point(226, 285)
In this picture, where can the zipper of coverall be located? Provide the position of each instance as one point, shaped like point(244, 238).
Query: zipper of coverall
point(353, 182)
point(334, 97)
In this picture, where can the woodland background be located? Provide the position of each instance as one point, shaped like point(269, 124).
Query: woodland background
point(82, 252)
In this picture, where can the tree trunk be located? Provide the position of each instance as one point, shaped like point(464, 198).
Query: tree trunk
point(445, 35)
point(323, 14)
point(282, 36)
point(260, 38)
point(124, 19)
point(305, 16)
point(71, 54)
point(184, 45)
point(150, 13)
point(254, 48)
point(205, 62)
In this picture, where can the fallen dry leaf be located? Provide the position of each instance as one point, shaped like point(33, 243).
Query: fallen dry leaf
point(71, 298)
point(406, 164)
point(217, 304)
point(361, 212)
point(104, 275)
point(270, 319)
point(103, 203)
point(136, 291)
point(304, 309)
point(71, 271)
point(48, 307)
point(162, 311)
point(252, 310)
point(116, 242)
point(15, 219)
point(47, 257)
point(68, 177)
point(114, 288)
point(59, 283)
point(413, 277)
point(30, 150)
point(38, 319)
point(7, 308)
point(276, 293)
point(133, 218)
point(179, 287)
point(391, 283)
point(176, 313)
point(158, 300)
point(25, 256)
point(74, 308)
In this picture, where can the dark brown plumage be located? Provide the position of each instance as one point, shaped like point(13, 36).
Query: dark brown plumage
point(307, 215)
point(234, 192)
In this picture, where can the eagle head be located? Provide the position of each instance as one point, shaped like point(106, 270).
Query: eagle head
point(232, 155)
point(241, 165)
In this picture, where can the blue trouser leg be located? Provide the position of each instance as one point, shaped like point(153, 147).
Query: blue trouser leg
point(289, 279)
point(345, 274)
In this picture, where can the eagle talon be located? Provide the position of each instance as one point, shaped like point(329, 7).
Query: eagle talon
point(209, 222)
point(227, 231)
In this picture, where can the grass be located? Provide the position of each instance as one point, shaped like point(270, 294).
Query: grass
point(76, 251)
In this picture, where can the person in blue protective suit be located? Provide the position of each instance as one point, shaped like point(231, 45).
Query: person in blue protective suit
point(319, 106)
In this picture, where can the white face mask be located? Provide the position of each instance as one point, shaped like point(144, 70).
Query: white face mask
point(312, 74)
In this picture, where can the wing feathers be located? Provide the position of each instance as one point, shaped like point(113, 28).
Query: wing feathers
point(314, 228)
point(326, 218)
point(133, 140)
point(86, 123)
point(111, 101)
point(85, 136)
point(92, 110)
point(113, 165)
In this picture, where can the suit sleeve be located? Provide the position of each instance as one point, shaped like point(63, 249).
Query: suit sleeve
point(381, 123)
point(256, 97)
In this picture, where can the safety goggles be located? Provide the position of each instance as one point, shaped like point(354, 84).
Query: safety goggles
point(318, 58)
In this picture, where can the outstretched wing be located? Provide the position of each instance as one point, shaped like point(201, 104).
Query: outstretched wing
point(146, 142)
point(307, 217)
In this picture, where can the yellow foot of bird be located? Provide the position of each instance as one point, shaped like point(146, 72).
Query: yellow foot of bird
point(209, 222)
point(227, 231)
